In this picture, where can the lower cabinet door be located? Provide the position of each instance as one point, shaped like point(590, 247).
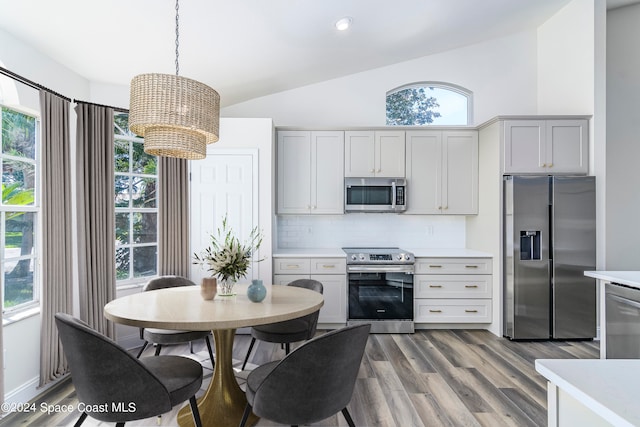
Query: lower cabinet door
point(452, 310)
point(334, 287)
point(334, 291)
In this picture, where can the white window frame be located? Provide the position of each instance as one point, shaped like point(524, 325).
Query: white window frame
point(441, 85)
point(37, 220)
point(132, 280)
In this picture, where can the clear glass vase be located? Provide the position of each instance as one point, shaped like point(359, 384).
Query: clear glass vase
point(226, 287)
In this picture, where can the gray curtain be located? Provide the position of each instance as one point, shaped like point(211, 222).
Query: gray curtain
point(96, 214)
point(173, 217)
point(56, 235)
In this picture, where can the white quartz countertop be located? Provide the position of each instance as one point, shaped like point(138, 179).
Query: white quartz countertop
point(418, 252)
point(609, 387)
point(310, 253)
point(448, 253)
point(629, 278)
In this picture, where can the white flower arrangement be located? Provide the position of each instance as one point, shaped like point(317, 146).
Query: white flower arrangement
point(228, 258)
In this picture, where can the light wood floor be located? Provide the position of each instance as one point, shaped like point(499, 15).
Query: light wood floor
point(430, 378)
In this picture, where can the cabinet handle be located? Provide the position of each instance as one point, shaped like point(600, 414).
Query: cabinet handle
point(470, 286)
point(550, 165)
point(435, 311)
point(435, 266)
point(470, 266)
point(471, 311)
point(379, 170)
point(446, 207)
point(314, 207)
point(328, 266)
point(439, 207)
point(372, 171)
point(292, 266)
point(544, 165)
point(435, 286)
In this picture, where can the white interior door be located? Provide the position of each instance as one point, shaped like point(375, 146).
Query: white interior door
point(225, 182)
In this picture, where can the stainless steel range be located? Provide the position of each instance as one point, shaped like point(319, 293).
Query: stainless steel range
point(380, 282)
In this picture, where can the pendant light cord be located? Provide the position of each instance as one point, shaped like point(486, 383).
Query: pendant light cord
point(177, 37)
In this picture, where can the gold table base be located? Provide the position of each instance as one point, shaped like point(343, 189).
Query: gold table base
point(223, 403)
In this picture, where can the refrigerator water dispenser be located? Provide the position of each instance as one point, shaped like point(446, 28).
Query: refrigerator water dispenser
point(530, 245)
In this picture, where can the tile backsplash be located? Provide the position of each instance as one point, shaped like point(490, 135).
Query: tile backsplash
point(369, 229)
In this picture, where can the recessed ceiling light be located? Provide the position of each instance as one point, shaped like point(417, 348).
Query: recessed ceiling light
point(344, 23)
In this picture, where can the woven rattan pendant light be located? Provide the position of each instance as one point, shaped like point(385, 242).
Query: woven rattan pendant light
point(177, 116)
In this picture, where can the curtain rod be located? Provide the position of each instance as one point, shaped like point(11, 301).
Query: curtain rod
point(38, 86)
point(30, 83)
point(118, 109)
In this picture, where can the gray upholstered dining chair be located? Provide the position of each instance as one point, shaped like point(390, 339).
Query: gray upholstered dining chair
point(161, 337)
point(116, 387)
point(312, 383)
point(288, 331)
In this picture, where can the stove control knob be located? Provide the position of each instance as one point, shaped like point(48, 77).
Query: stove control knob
point(400, 256)
point(362, 257)
point(354, 257)
point(407, 257)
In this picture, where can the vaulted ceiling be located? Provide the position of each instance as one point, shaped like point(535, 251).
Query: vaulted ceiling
point(251, 48)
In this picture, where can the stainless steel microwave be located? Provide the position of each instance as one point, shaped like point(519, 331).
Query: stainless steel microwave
point(375, 194)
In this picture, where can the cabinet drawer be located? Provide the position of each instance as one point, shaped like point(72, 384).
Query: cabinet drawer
point(453, 310)
point(291, 266)
point(453, 286)
point(454, 266)
point(328, 266)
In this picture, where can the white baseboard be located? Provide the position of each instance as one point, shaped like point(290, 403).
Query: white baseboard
point(25, 392)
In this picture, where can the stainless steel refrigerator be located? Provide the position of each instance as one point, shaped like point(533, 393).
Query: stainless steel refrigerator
point(549, 241)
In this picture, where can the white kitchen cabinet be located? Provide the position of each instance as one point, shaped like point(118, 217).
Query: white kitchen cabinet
point(453, 290)
point(442, 172)
point(331, 272)
point(553, 146)
point(310, 172)
point(374, 153)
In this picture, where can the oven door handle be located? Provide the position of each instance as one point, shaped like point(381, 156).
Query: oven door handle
point(408, 269)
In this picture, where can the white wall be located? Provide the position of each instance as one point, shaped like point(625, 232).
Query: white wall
point(33, 65)
point(501, 73)
point(565, 60)
point(623, 139)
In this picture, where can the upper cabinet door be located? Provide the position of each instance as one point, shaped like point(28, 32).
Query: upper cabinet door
point(524, 146)
point(460, 172)
point(424, 172)
point(369, 153)
point(553, 146)
point(294, 172)
point(390, 153)
point(327, 172)
point(359, 154)
point(567, 146)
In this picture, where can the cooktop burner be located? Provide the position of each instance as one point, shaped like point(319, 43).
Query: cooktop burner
point(363, 255)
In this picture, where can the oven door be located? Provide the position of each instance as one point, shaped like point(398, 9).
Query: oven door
point(380, 293)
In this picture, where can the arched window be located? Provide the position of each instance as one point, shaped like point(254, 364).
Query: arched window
point(429, 103)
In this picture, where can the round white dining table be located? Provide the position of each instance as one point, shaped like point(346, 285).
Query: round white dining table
point(184, 309)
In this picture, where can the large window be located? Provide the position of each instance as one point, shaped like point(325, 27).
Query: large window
point(136, 183)
point(19, 209)
point(429, 103)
